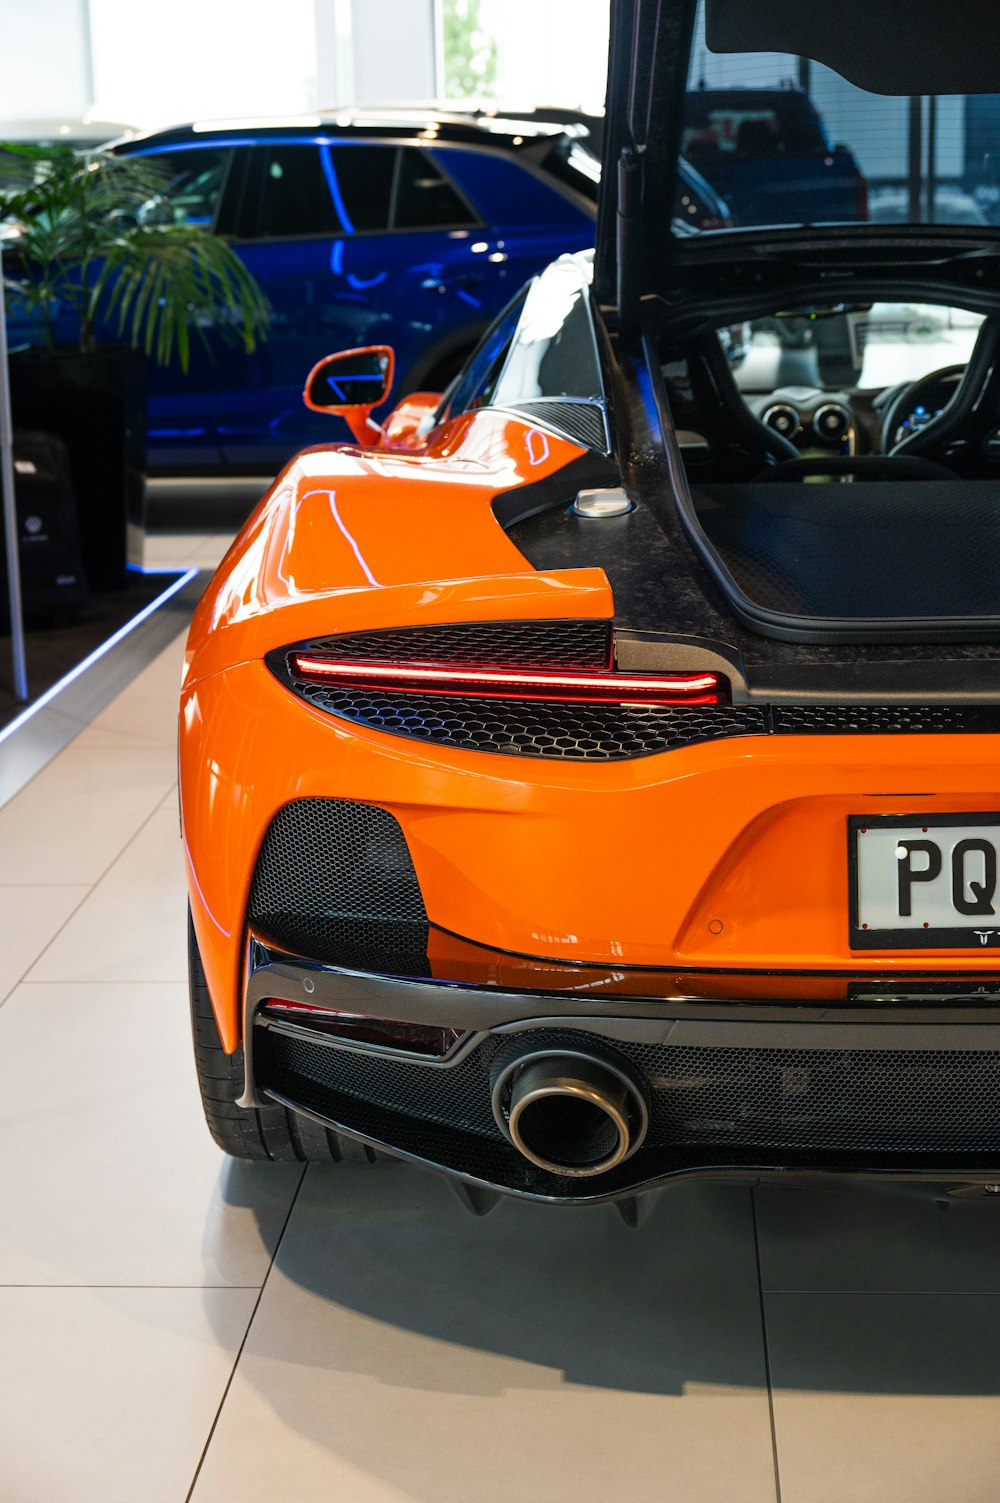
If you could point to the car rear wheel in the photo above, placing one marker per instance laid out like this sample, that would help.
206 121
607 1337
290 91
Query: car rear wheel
245 1132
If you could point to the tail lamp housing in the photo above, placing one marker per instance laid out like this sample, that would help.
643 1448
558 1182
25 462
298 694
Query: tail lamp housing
479 681
356 1028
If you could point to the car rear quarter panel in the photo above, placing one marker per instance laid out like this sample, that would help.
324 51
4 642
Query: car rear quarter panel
730 854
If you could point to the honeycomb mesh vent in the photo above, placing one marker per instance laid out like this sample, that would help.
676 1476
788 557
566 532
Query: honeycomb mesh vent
584 645
536 728
335 880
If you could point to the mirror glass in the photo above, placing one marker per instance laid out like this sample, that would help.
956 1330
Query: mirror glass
355 378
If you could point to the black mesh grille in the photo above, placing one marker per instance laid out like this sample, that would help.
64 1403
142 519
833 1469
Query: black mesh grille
536 728
584 422
334 880
883 1099
453 1095
585 645
924 720
872 1101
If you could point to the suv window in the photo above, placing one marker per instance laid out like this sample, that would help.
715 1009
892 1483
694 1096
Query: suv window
476 382
193 184
326 189
360 180
295 195
424 196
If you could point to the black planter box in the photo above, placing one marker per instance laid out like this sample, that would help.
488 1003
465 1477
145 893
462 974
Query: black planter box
96 404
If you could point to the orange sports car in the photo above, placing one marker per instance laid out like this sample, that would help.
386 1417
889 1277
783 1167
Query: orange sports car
589 776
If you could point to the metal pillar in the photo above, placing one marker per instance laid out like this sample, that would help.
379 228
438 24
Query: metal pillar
10 511
930 183
914 176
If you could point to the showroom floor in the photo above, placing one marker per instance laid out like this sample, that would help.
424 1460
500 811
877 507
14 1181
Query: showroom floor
176 1326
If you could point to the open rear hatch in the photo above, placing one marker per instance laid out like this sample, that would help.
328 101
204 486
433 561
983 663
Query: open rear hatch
889 94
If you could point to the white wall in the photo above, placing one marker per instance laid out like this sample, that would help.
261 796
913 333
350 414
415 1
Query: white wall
43 59
550 51
161 62
375 51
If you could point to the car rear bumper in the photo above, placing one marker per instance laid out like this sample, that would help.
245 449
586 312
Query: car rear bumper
746 1075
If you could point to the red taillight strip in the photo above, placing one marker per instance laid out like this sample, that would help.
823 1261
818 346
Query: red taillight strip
500 683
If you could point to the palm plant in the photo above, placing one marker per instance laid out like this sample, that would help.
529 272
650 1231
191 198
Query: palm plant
95 233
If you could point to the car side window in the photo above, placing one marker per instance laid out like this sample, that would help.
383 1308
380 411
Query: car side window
360 179
555 353
296 195
193 184
425 198
476 382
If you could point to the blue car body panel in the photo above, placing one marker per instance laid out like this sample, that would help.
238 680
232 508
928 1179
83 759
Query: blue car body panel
428 291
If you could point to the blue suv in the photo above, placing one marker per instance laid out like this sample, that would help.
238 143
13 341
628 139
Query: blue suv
361 228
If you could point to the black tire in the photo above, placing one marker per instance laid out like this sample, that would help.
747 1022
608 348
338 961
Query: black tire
269 1132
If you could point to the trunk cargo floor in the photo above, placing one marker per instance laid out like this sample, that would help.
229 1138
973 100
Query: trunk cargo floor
882 556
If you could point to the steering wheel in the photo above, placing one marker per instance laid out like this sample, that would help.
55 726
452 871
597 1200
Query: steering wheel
927 392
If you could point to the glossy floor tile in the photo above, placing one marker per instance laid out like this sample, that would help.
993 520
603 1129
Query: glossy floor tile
29 918
894 1240
107 1173
70 822
109 1394
147 714
891 1398
132 926
403 1349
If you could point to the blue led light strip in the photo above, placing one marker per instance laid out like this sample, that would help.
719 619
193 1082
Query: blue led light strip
98 652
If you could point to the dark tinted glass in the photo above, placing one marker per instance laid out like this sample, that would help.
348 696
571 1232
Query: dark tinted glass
361 179
424 196
787 140
192 186
476 383
751 124
554 354
297 194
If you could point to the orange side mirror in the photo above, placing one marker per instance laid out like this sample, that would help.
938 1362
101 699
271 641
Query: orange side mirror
351 384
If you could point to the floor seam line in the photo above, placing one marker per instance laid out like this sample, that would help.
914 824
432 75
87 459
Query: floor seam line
70 916
890 1293
767 1354
246 1334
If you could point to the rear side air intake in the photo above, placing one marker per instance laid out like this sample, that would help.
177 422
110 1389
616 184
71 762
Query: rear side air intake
334 880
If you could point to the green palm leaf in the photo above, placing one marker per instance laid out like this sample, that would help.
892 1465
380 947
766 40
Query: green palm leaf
95 231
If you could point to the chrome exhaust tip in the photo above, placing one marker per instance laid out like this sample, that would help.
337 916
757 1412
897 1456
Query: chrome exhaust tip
572 1114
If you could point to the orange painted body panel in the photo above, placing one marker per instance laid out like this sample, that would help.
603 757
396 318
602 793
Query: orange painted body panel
688 858
403 426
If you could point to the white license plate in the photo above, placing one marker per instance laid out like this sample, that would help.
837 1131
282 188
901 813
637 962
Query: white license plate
920 881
